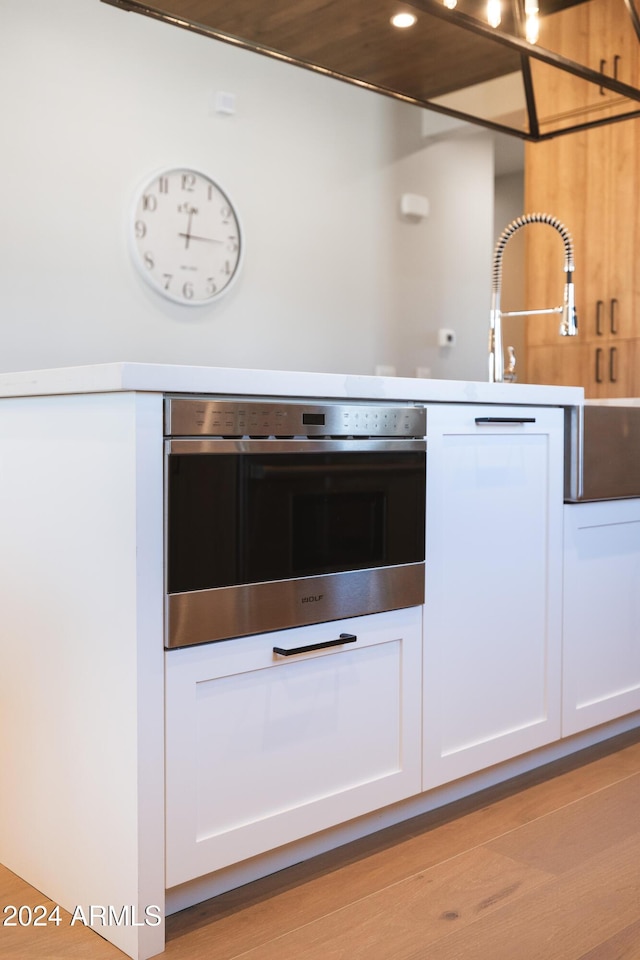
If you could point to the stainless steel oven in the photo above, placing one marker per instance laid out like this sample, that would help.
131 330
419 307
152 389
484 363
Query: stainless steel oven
287 513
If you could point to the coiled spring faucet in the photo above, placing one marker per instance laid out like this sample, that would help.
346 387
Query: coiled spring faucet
569 321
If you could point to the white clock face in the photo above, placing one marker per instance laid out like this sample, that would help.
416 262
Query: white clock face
186 237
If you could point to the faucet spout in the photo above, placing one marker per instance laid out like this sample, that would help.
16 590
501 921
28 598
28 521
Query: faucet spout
569 319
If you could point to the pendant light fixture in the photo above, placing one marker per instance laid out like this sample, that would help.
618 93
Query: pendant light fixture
494 16
532 21
494 13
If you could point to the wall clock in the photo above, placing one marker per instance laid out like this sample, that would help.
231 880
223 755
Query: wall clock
186 237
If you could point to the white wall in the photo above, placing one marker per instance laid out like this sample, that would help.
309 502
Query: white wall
94 100
444 263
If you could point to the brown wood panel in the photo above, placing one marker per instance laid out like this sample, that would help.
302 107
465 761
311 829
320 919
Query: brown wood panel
576 833
589 180
405 917
564 365
561 920
624 945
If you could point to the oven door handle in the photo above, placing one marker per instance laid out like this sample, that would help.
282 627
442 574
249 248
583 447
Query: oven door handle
343 638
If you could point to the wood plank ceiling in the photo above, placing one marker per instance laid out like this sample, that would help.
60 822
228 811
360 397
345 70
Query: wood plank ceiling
353 39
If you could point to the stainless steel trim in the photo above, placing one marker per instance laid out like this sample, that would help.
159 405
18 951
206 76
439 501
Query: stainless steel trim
573 453
227 612
197 417
208 446
605 452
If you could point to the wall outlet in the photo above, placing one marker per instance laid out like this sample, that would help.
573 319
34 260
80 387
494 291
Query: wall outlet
446 338
423 373
384 370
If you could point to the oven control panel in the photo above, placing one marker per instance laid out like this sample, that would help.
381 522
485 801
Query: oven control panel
206 417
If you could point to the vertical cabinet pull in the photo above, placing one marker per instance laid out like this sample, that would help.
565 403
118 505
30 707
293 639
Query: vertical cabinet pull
598 371
599 312
603 64
613 373
613 316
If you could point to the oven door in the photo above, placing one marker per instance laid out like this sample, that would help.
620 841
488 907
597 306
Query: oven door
266 534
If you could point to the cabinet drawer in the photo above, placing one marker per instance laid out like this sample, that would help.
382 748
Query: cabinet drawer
263 749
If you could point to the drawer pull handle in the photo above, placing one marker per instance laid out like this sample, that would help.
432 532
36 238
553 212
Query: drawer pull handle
599 309
481 420
343 638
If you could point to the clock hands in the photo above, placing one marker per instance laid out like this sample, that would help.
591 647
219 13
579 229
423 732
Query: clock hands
194 236
188 236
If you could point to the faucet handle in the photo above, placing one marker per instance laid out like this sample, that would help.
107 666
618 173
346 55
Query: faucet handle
510 373
569 321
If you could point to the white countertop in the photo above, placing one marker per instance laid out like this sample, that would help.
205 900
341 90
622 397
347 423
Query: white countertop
168 378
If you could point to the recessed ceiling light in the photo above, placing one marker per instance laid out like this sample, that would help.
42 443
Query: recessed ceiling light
403 20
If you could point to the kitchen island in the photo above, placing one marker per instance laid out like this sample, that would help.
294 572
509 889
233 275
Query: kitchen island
87 685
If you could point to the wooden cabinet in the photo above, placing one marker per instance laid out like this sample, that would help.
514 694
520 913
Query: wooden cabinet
613 47
492 627
601 644
565 33
598 35
263 749
589 181
610 302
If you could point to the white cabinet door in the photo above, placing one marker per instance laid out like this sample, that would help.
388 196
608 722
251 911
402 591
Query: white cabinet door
263 749
493 617
601 643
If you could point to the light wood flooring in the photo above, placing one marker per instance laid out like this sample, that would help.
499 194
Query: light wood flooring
545 867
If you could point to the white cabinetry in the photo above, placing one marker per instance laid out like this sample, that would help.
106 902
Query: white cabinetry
601 647
263 749
493 607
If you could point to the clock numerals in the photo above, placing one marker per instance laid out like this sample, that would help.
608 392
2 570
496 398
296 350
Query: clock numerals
212 287
232 244
187 290
149 262
149 202
166 278
140 229
188 182
163 184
